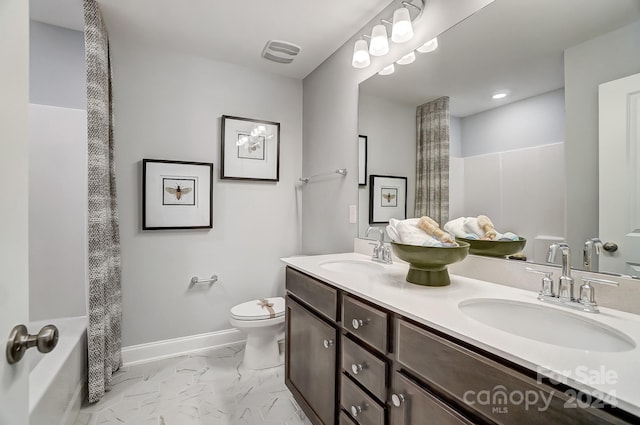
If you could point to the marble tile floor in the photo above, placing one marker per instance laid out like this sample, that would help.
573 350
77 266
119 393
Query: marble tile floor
207 388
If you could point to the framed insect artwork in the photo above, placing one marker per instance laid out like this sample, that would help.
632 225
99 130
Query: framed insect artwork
250 149
176 195
387 198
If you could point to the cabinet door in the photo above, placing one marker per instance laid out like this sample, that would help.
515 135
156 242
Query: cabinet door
412 405
310 364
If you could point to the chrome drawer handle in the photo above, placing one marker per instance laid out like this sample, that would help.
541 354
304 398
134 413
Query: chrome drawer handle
356 368
357 323
327 343
355 411
397 399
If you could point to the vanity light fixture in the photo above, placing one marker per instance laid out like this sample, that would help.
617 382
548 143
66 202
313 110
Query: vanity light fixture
387 70
407 59
401 32
429 46
379 44
361 57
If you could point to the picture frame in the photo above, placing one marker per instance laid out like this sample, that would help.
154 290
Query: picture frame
362 160
176 195
250 149
387 198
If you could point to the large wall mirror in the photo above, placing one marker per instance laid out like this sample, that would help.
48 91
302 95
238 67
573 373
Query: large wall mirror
528 160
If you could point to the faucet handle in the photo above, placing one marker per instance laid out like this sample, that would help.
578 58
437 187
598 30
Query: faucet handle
587 292
547 282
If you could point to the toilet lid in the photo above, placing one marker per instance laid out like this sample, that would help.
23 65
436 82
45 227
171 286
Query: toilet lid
258 309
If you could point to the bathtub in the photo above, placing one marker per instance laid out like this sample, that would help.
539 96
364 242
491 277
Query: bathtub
57 379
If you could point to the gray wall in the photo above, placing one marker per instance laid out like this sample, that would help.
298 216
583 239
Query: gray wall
331 127
535 121
587 65
56 66
168 106
391 131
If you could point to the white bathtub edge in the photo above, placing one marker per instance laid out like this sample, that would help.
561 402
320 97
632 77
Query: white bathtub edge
158 350
73 409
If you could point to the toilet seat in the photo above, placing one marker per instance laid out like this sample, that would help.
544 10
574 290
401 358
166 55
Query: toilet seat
254 310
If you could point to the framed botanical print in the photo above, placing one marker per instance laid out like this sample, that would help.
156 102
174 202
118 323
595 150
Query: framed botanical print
176 194
387 198
250 149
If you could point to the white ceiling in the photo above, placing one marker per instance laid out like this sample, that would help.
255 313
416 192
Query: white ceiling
510 44
229 31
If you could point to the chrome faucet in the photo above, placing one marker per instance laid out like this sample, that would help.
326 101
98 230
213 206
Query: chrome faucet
589 247
585 301
565 284
381 252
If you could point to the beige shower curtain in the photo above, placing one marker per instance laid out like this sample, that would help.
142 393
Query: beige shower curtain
432 160
105 303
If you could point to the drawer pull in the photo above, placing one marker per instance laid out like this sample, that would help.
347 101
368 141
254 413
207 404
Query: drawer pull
356 368
327 343
355 411
397 399
357 323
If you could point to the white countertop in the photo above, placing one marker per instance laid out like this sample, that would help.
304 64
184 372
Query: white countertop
615 375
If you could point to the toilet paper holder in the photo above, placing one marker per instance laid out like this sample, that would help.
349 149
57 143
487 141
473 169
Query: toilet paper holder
197 281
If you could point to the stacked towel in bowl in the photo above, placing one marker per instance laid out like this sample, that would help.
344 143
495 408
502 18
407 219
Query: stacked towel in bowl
480 227
415 231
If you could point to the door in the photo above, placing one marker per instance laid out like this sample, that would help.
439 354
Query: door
311 362
14 279
619 156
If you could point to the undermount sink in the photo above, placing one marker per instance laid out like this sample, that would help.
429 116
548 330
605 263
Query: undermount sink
353 266
544 324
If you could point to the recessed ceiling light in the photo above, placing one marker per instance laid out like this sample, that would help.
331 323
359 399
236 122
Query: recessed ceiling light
500 95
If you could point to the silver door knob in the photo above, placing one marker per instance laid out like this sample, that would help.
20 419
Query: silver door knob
327 343
397 399
20 341
355 411
356 368
357 323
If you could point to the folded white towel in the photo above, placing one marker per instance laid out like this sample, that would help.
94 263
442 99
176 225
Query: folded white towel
393 233
471 226
456 227
410 233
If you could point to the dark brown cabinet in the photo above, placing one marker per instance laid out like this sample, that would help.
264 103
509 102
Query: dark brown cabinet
413 405
310 363
349 361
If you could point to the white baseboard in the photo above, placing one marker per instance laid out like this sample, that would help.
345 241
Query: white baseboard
158 350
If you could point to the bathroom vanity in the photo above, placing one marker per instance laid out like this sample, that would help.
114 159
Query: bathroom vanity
365 347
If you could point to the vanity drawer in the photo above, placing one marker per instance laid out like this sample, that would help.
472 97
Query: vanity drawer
363 408
465 376
411 405
364 367
366 322
345 420
316 294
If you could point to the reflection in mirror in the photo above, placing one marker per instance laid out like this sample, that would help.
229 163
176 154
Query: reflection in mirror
528 160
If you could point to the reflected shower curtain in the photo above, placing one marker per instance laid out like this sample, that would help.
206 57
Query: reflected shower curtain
432 160
105 306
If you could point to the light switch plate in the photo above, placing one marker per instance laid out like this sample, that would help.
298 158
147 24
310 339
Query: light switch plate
353 214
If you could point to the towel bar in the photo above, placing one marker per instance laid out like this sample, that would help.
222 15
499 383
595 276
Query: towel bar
197 281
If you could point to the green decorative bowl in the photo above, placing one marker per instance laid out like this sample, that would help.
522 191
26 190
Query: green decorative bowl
428 265
494 248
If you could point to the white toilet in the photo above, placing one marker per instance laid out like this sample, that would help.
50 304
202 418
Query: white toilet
263 321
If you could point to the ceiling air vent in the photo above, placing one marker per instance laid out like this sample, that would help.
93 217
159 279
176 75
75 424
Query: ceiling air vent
280 51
